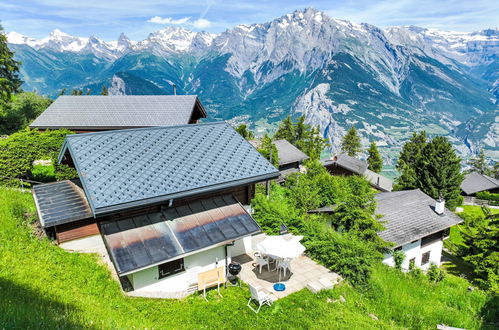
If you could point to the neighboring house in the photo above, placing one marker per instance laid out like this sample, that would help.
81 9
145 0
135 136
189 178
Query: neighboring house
90 113
169 203
417 224
345 165
475 182
290 157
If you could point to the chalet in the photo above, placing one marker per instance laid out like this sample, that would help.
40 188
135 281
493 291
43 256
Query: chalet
475 182
168 203
290 157
90 113
416 224
345 165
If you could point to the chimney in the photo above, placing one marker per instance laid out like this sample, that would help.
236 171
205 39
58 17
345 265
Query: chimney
440 206
174 89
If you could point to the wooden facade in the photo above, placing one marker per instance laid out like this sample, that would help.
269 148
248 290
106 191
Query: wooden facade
76 230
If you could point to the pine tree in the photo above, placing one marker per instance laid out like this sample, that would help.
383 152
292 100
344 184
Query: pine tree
313 144
104 90
374 158
495 171
479 164
300 130
438 171
268 148
10 83
245 132
409 156
286 130
350 144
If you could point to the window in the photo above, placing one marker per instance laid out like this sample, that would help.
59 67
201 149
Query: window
425 258
170 268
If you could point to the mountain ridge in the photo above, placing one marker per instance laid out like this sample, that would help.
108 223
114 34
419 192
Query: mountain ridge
335 72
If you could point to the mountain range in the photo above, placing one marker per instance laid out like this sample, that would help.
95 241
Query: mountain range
386 82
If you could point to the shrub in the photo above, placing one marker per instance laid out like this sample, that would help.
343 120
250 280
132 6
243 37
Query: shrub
43 173
486 195
19 150
398 258
343 253
412 264
435 274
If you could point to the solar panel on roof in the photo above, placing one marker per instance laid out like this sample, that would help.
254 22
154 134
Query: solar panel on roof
136 243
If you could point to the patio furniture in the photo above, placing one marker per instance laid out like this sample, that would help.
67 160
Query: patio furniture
262 261
284 265
279 247
260 297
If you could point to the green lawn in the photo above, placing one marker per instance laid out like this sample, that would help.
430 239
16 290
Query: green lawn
42 286
477 210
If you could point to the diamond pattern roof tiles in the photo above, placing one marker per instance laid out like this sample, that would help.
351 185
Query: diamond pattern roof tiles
93 112
122 169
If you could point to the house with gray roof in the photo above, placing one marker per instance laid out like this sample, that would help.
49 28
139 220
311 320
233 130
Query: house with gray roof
290 157
90 113
167 203
343 164
416 224
475 182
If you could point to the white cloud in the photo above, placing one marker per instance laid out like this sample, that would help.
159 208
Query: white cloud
201 23
168 20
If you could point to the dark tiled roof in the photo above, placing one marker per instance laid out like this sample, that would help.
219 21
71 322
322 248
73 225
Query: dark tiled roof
325 209
359 167
409 215
144 241
288 153
379 181
475 182
131 168
92 112
61 202
351 164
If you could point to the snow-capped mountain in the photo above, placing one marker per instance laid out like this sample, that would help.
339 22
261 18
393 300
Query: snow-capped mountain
387 83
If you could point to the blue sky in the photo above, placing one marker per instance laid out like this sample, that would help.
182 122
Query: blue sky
136 18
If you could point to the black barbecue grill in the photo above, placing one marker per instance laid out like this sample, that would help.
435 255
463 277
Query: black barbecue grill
234 270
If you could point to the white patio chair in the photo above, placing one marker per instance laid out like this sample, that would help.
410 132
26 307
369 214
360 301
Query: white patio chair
285 265
261 261
260 297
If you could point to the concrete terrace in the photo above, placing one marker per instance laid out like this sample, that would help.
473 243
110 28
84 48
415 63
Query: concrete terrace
305 273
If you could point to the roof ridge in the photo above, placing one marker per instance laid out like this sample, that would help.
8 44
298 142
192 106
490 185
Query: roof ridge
146 128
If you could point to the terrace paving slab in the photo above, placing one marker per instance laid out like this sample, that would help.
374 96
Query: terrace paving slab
303 271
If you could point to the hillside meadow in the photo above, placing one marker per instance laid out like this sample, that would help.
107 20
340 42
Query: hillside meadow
43 286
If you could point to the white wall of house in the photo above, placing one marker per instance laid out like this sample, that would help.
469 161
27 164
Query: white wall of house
414 250
147 280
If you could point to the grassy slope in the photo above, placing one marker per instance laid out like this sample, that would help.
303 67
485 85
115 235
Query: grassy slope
42 286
